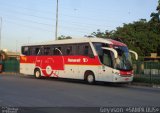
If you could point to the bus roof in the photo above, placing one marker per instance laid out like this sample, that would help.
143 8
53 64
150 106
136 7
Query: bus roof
79 40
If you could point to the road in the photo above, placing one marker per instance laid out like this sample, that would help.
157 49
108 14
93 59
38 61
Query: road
26 91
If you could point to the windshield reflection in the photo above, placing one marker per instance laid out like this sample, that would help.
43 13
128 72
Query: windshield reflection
123 62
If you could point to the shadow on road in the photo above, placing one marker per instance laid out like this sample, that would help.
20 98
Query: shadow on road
75 81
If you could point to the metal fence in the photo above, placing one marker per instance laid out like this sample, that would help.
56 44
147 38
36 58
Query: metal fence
11 65
143 71
147 71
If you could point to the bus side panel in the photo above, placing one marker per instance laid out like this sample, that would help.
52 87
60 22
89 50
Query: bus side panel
27 68
27 65
84 68
78 71
105 73
70 71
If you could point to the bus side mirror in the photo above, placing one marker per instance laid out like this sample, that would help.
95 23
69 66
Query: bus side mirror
133 52
112 50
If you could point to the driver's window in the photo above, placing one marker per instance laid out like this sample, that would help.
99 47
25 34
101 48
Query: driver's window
107 58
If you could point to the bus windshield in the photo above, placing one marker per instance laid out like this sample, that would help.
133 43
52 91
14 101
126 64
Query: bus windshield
123 62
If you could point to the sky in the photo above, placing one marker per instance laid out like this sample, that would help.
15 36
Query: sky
33 21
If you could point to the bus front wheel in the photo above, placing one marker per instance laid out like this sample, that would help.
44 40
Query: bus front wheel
89 77
37 73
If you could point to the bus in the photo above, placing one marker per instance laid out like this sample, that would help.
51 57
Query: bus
89 59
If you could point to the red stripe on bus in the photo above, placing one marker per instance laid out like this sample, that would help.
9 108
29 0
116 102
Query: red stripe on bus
57 60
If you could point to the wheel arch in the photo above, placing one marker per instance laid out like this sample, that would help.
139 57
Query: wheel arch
37 68
87 72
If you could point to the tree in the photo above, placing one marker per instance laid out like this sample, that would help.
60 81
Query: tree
3 55
140 36
156 16
100 34
62 37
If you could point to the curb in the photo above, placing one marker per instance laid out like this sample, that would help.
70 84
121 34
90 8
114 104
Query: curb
145 84
9 73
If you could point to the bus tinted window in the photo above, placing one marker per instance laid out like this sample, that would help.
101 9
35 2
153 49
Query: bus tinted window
104 55
46 51
78 50
25 50
69 50
98 47
31 50
37 51
83 49
86 50
57 51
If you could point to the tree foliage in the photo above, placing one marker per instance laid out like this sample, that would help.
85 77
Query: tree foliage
3 55
62 37
141 36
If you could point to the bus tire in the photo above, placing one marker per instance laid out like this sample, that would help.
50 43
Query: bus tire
89 77
37 73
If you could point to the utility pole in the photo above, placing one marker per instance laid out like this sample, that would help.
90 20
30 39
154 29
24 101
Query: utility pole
56 32
0 31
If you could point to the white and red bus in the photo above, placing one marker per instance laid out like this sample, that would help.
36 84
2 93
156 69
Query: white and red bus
90 59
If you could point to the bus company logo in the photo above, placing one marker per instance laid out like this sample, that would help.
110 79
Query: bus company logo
24 58
48 70
74 60
85 60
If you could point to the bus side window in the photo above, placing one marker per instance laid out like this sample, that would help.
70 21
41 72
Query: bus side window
98 47
107 60
69 50
46 51
78 50
37 51
86 50
57 51
25 50
31 50
74 49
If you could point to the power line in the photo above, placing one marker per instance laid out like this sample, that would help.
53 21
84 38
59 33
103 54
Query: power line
42 29
27 26
62 20
31 15
79 25
25 8
71 16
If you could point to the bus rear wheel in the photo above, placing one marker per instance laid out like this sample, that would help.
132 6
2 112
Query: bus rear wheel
90 79
37 73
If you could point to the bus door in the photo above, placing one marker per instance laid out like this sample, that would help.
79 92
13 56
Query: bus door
105 70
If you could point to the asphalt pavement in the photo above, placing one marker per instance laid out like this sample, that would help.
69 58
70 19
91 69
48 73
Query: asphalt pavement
26 91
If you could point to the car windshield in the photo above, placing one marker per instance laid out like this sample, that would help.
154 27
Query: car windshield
123 62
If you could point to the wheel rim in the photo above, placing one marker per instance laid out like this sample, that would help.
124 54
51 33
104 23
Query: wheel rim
90 78
37 74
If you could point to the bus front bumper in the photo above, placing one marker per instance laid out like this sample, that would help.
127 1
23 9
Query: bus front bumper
122 79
